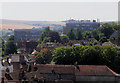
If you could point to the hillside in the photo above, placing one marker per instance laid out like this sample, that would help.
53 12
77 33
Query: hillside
21 24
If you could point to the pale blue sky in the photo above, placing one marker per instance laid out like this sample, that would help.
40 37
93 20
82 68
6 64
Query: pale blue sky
59 11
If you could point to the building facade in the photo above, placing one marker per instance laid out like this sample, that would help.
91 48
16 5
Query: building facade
27 34
80 24
26 46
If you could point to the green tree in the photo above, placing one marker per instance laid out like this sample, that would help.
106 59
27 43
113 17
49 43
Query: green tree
2 46
44 57
38 48
11 38
71 34
64 39
46 39
44 34
89 55
48 35
107 29
86 34
10 46
95 34
63 55
102 38
78 35
54 36
92 55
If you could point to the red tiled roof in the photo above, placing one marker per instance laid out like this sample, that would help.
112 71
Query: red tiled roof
96 70
61 69
85 70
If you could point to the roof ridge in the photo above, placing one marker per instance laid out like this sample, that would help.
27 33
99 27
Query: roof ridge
114 73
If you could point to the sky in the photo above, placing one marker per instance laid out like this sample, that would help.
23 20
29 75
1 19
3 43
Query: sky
60 11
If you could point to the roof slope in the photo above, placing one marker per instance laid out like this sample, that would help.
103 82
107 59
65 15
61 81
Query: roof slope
94 70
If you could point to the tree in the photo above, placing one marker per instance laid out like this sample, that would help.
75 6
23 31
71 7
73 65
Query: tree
78 35
95 34
38 48
102 38
115 26
88 55
2 46
71 34
11 38
107 29
46 39
48 35
109 52
62 55
92 55
86 34
54 36
64 39
44 34
10 46
44 57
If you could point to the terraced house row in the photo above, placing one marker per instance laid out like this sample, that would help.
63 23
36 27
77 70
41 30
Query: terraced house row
19 69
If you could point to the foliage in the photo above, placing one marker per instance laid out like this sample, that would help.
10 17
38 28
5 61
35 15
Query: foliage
78 34
44 57
102 38
116 26
38 48
2 46
64 39
107 29
95 34
86 34
71 34
54 36
63 55
44 34
88 55
48 35
10 46
11 38
46 39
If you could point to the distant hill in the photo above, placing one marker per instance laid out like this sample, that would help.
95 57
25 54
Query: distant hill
22 24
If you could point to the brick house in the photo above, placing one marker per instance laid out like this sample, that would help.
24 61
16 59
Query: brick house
95 74
26 46
46 73
27 71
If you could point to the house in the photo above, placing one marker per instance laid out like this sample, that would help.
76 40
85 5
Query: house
96 74
115 37
82 42
107 43
26 46
50 45
47 73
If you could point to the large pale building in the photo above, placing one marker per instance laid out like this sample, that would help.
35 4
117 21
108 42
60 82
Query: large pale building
27 34
81 24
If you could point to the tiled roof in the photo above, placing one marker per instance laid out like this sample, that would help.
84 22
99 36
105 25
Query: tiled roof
61 69
96 70
15 75
84 70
